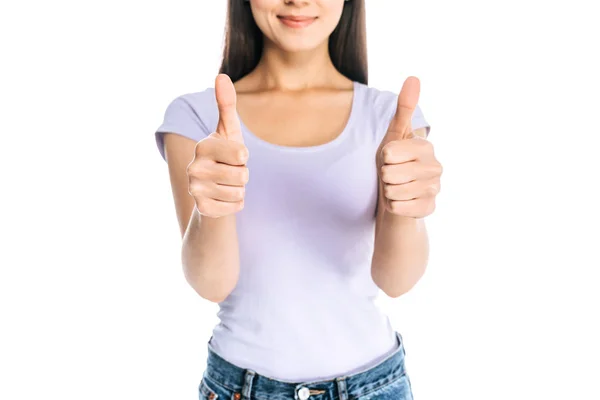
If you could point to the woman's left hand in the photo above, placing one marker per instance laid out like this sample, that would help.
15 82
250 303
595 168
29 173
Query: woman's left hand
409 172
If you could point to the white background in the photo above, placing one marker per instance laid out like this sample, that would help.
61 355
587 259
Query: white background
93 300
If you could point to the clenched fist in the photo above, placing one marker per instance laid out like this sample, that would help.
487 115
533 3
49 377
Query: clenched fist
218 174
408 170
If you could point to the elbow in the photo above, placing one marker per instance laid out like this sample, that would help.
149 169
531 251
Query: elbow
396 291
212 286
393 285
213 297
212 292
213 282
393 288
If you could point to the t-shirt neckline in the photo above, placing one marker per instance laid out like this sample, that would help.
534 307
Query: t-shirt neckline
303 149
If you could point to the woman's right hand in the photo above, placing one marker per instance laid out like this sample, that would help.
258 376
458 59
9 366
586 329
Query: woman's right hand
218 173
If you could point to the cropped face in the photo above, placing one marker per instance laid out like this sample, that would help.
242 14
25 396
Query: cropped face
297 25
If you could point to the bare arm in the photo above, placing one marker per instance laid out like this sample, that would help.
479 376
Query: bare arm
209 251
208 180
401 248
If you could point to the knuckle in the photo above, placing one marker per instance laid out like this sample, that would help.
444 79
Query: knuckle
196 169
198 148
192 168
237 176
195 172
391 205
432 207
203 205
238 152
202 147
395 207
388 191
242 155
429 208
385 174
245 174
387 153
432 189
194 190
239 194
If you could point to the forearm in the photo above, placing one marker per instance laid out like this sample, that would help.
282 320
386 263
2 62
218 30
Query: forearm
401 253
210 255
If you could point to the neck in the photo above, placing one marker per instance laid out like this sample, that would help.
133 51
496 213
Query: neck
291 71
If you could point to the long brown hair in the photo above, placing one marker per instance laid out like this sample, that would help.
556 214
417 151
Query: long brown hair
244 42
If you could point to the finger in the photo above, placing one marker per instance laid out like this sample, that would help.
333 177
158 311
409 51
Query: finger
232 155
215 208
416 208
229 194
411 190
397 174
400 126
401 151
229 175
223 151
229 124
209 190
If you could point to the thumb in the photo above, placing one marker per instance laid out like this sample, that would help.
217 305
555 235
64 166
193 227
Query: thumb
229 123
400 126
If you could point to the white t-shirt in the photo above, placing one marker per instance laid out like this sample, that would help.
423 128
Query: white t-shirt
303 308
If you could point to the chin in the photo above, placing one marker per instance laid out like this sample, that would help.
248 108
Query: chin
295 45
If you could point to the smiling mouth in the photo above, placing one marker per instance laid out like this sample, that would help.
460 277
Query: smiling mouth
296 21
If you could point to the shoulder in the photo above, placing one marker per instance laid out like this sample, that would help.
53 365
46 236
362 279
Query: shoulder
198 102
197 107
193 115
376 108
381 105
378 96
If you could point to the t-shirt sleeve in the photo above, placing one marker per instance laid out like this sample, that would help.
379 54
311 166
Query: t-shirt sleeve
386 103
418 120
180 118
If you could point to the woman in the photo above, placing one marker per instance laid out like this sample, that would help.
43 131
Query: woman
300 192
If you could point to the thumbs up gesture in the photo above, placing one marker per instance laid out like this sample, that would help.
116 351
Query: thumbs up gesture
409 173
218 173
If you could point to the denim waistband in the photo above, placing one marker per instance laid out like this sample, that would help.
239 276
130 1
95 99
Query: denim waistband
249 383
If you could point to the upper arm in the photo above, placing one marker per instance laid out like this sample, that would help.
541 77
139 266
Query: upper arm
179 151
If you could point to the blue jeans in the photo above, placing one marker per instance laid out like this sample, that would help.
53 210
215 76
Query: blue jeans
385 381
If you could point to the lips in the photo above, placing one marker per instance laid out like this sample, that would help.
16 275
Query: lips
296 21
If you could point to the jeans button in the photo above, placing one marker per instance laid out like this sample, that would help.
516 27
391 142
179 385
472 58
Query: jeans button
304 393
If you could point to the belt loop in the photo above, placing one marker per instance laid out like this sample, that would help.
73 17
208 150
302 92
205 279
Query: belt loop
247 387
401 340
342 389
